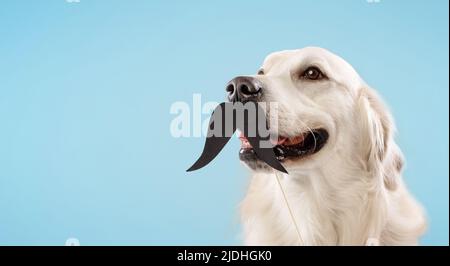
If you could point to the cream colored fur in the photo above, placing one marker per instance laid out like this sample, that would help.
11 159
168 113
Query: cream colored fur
352 189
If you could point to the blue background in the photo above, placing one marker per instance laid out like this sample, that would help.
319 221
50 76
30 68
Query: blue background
86 88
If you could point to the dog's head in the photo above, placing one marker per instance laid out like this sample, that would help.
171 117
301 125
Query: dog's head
321 108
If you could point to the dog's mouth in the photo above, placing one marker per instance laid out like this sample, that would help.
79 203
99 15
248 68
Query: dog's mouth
286 148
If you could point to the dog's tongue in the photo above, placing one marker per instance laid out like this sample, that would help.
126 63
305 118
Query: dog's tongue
281 140
226 118
294 140
246 144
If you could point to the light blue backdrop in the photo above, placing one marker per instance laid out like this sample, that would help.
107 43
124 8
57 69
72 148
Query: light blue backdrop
85 92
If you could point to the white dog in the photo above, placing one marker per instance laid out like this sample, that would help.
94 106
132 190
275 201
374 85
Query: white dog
344 185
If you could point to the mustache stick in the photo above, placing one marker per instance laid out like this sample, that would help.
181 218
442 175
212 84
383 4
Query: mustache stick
222 125
249 119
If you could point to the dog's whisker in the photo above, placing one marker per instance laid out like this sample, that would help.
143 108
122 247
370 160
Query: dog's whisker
311 132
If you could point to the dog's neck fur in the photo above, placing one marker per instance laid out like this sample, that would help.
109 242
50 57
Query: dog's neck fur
323 215
329 208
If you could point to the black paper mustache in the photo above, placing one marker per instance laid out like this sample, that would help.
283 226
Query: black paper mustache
249 119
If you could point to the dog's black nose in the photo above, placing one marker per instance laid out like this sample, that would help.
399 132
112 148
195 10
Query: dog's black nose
243 89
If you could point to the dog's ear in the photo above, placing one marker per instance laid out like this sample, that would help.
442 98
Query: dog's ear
392 167
381 154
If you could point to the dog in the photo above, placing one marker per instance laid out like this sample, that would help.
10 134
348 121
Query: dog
336 140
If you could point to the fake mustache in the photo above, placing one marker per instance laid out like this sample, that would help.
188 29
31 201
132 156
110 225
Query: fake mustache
250 119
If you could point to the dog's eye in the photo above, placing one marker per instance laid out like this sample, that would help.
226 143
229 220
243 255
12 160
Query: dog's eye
312 73
261 72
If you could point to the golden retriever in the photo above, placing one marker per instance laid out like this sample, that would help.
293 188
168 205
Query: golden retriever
336 140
